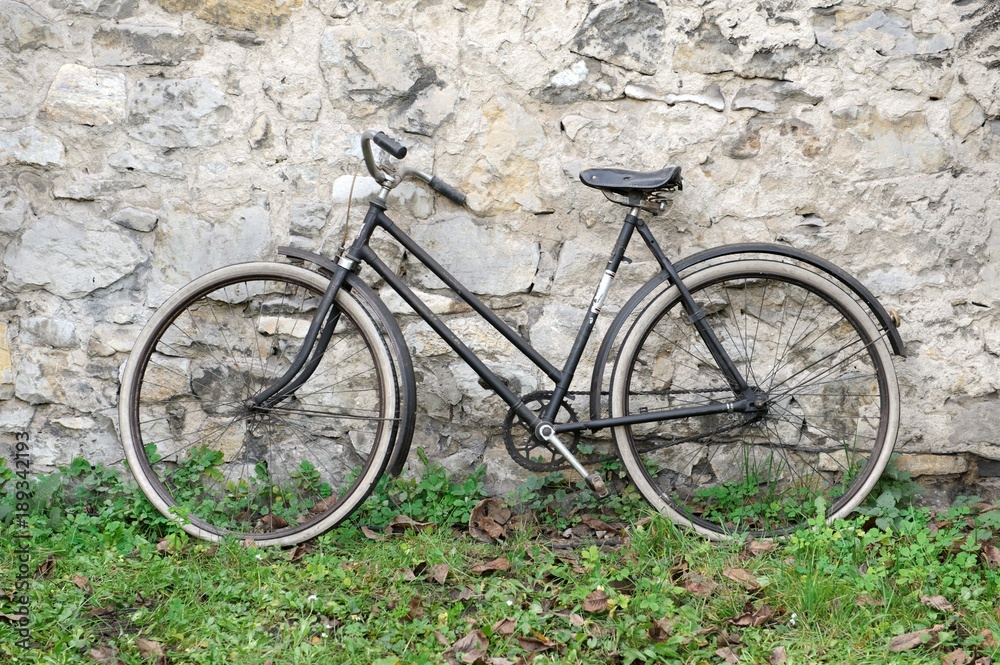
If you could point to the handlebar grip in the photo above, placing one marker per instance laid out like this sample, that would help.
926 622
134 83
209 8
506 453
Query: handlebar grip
449 192
389 145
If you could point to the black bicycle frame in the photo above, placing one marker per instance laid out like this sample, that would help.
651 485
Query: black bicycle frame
360 251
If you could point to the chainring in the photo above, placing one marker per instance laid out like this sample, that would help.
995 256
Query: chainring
522 445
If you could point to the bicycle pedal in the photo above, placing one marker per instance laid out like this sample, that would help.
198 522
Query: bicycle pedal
596 483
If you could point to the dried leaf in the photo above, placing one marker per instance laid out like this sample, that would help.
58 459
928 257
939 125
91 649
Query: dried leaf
914 639
937 602
778 656
661 629
535 644
698 584
324 505
956 657
105 655
505 627
576 620
488 519
13 618
272 523
370 534
991 555
469 649
988 641
401 523
500 661
744 577
726 654
82 583
465 593
753 618
439 573
107 610
596 602
45 567
148 648
299 551
760 547
500 564
416 610
597 524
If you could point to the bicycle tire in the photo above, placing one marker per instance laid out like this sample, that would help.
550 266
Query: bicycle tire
276 476
823 367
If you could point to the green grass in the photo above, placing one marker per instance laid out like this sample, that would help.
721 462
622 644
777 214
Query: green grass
111 583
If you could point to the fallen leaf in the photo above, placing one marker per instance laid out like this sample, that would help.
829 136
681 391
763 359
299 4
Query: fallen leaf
105 655
698 584
727 654
661 629
402 523
597 525
500 661
468 649
13 618
778 656
576 620
272 522
988 641
45 567
500 564
105 611
148 648
370 534
754 618
760 547
744 577
505 626
991 555
163 546
937 602
82 583
324 505
297 552
488 519
596 602
465 593
535 644
439 573
956 657
416 610
914 639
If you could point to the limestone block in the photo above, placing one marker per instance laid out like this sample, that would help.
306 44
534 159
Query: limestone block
624 33
15 416
371 67
68 259
966 116
888 33
21 28
126 45
708 53
138 220
30 145
48 331
188 247
307 218
140 159
433 106
13 207
112 9
489 261
86 96
6 366
300 100
237 14
182 113
931 465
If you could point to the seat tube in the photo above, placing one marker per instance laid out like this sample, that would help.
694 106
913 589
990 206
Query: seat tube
596 304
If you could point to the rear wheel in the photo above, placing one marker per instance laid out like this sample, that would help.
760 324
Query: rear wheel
277 475
820 365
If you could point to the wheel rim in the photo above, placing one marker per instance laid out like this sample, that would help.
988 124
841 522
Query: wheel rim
824 427
281 474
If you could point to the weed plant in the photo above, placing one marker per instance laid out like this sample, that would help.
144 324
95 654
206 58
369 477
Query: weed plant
113 582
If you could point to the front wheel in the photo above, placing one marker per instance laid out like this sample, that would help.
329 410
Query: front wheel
816 360
205 456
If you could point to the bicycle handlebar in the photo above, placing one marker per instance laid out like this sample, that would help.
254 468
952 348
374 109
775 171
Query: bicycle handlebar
390 179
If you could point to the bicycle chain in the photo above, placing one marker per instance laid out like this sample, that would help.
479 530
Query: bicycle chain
558 462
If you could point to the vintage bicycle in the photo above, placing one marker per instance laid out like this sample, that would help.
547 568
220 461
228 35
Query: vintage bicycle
265 400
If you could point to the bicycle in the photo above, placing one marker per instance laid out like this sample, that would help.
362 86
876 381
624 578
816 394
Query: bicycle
266 400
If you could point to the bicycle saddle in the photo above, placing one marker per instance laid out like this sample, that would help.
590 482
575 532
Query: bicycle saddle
621 181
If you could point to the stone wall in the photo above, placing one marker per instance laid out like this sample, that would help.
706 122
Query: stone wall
143 143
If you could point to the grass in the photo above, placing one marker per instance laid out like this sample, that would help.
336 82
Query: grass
110 583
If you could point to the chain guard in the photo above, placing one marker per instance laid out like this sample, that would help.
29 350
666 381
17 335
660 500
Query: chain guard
525 449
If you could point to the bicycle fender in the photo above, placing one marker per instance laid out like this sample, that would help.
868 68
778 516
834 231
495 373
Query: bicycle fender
401 352
847 280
